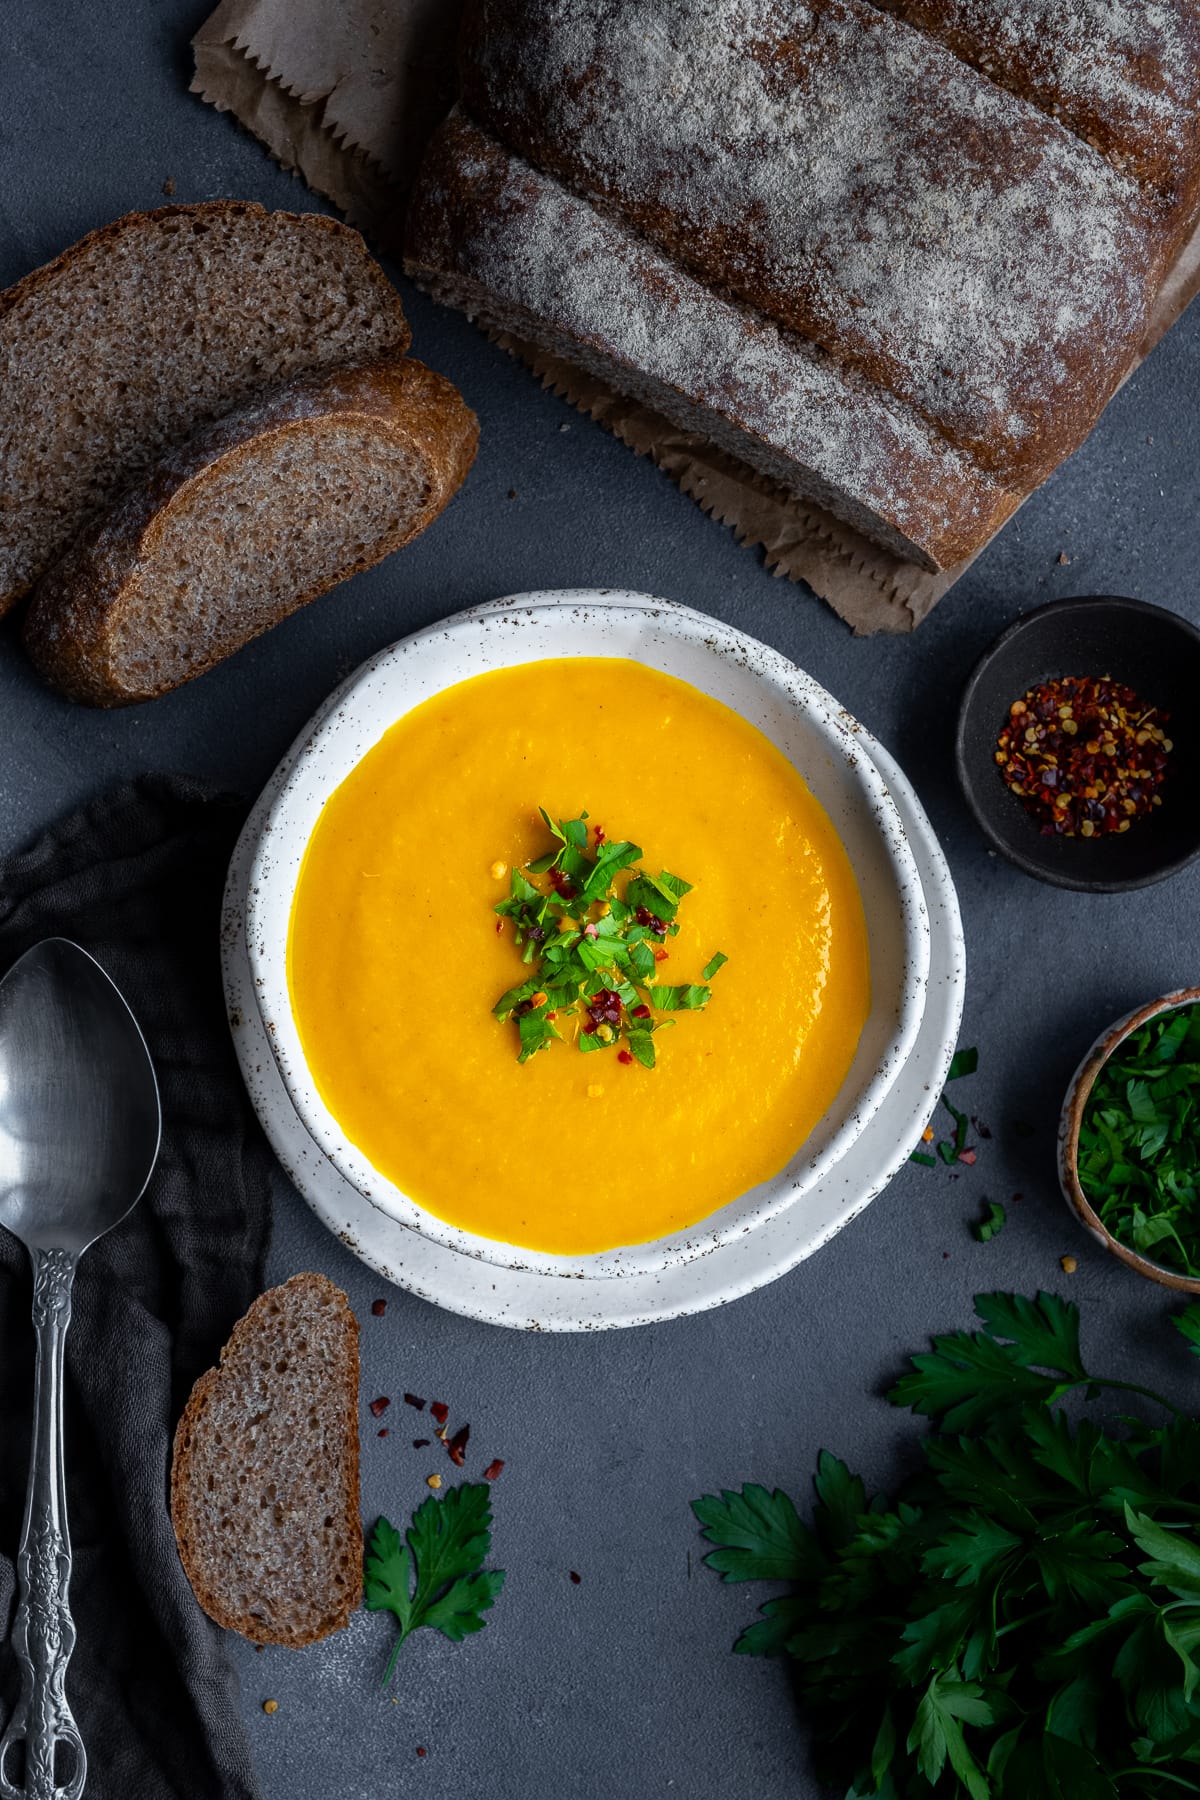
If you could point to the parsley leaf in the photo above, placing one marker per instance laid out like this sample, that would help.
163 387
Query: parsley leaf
447 1542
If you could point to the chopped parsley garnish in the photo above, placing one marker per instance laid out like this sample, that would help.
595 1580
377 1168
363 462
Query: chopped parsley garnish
1139 1140
594 949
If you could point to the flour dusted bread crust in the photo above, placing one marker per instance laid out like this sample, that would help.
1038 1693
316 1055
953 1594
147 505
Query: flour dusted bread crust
247 522
264 1479
944 249
518 250
151 327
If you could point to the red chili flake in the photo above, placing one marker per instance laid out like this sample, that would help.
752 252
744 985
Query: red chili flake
492 1470
440 1411
414 1400
562 885
945 1256
1084 755
662 955
966 1156
624 1056
600 833
650 921
380 1406
382 1433
421 1751
603 1008
456 1447
576 1578
640 1012
983 1130
499 926
420 1443
379 1307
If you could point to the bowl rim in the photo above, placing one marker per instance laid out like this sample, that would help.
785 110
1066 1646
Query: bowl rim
837 729
1027 863
1078 1093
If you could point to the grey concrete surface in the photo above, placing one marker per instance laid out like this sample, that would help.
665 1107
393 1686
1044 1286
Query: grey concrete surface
622 1685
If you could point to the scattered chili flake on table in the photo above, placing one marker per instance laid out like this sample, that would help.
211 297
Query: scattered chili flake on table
492 1470
576 1578
1085 756
382 1433
457 1446
414 1400
420 1443
379 1307
440 1411
380 1406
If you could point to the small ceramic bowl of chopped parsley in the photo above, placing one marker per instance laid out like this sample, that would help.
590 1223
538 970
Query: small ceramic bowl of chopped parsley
1129 1140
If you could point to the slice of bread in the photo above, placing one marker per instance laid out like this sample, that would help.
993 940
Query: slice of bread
245 523
264 1482
152 326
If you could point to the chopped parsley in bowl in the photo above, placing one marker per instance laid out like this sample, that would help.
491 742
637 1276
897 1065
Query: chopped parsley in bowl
1130 1140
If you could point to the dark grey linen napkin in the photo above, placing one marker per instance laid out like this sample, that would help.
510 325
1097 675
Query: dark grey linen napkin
136 878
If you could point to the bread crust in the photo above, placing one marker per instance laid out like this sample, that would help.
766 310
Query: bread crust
77 608
853 181
189 1441
24 297
512 246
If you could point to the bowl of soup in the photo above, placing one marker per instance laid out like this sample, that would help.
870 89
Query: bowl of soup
776 984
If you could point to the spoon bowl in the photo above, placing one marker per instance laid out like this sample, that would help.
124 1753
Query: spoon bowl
79 1134
79 1120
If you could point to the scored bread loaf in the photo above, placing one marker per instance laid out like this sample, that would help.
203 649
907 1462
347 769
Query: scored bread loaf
852 180
945 264
1123 75
264 1478
245 523
520 252
158 323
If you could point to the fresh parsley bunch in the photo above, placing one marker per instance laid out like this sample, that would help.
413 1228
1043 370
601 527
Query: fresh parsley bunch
1023 1621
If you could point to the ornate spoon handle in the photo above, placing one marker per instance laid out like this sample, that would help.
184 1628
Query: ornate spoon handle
43 1630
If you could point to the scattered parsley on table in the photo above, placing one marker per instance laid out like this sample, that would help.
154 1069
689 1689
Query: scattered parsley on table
1022 1621
436 1578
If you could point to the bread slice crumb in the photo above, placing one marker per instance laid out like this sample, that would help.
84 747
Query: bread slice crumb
264 1480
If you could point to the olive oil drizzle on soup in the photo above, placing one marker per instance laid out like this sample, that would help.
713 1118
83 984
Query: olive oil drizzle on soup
395 962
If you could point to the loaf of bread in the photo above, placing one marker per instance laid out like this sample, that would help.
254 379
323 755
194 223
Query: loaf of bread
264 1479
246 522
151 327
764 217
518 250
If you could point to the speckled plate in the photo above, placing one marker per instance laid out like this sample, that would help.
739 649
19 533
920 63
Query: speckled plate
531 1299
817 736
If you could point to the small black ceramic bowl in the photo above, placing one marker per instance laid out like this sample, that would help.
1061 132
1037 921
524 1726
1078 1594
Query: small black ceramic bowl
1156 653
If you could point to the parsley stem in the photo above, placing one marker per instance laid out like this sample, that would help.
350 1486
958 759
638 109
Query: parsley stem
1154 1774
1131 1387
391 1668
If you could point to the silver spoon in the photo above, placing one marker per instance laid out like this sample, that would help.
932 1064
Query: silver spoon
79 1132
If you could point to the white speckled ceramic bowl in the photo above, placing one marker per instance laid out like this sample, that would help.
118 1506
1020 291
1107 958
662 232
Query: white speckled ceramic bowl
791 710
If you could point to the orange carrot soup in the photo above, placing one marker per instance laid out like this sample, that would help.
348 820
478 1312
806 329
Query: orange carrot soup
682 974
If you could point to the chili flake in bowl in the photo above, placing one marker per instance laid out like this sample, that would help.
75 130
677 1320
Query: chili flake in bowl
1084 754
1129 1140
1081 803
